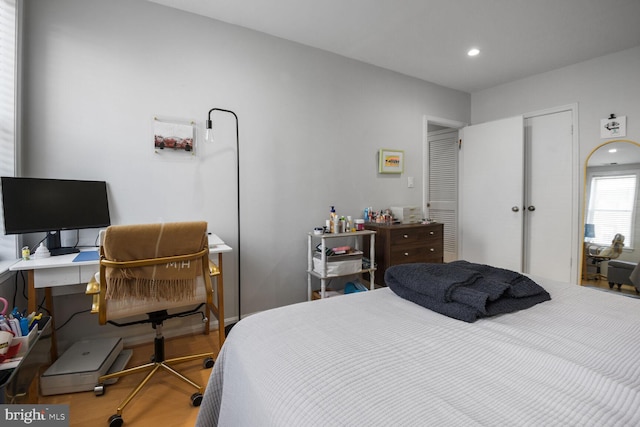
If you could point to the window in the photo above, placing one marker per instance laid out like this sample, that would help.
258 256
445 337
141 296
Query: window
612 200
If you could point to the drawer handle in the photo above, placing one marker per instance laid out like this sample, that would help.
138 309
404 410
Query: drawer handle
406 254
406 236
432 250
432 233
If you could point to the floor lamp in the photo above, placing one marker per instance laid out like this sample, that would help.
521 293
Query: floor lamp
209 137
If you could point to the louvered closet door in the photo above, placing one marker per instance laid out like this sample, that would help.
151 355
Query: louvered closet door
442 187
491 193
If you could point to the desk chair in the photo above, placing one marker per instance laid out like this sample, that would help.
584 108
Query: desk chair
150 269
596 254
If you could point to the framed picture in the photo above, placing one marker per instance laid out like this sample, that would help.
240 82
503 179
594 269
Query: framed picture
174 136
391 161
613 127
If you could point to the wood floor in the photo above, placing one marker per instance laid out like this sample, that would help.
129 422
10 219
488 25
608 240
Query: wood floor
602 283
164 401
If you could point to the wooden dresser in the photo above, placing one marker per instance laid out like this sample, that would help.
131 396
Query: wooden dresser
405 243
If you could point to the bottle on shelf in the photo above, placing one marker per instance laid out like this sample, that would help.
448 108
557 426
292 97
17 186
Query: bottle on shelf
333 226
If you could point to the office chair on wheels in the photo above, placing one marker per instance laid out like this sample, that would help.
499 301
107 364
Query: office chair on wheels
596 254
151 269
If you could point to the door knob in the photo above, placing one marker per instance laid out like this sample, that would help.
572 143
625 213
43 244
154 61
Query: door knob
515 209
531 208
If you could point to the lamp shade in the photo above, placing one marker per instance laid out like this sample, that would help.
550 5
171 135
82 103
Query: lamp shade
589 231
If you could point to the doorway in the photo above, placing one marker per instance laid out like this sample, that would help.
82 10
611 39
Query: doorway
440 179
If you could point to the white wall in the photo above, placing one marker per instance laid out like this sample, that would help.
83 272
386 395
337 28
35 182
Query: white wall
605 85
311 123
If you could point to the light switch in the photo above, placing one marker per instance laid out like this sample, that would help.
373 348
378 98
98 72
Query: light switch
410 182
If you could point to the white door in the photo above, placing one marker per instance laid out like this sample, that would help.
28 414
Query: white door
491 193
548 195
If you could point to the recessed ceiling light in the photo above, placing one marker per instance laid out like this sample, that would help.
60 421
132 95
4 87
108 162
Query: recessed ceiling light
613 150
473 52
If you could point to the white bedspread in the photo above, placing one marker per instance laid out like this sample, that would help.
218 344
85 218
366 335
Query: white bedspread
374 359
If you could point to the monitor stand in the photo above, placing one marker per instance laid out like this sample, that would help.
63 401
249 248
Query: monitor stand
63 251
55 245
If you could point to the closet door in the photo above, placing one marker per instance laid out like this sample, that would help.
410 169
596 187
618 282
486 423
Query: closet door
549 195
442 186
491 193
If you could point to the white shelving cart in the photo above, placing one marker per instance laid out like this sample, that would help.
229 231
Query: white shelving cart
322 272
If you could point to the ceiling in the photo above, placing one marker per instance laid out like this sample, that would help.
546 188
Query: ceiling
429 39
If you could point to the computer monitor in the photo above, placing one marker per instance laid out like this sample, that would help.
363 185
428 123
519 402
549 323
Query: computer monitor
34 205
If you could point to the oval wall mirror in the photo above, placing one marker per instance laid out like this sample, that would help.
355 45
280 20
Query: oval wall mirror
611 224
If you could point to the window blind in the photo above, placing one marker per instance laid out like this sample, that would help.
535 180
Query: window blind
8 83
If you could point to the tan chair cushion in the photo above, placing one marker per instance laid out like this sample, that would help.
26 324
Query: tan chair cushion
172 281
119 309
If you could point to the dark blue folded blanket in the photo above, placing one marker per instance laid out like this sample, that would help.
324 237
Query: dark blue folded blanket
438 281
447 289
519 285
455 310
447 283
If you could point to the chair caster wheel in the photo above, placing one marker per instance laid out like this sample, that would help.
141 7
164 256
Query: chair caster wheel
115 421
610 285
196 399
98 389
208 363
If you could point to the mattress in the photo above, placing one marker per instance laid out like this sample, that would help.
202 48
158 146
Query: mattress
375 359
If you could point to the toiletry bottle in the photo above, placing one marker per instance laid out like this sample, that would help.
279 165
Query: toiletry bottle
332 220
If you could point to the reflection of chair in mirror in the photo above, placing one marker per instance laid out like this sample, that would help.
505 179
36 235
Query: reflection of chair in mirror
596 254
150 269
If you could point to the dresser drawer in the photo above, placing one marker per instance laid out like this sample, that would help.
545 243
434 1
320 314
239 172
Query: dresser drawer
414 236
431 252
434 236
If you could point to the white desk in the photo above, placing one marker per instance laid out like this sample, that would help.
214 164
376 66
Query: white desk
48 273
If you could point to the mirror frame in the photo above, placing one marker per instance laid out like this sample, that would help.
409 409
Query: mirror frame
584 199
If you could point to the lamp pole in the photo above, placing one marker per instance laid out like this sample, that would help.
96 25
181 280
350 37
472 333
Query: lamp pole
209 137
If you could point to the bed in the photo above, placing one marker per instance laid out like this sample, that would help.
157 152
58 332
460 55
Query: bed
376 359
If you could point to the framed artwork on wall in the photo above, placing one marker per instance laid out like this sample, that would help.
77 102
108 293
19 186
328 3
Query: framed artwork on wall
613 127
391 161
174 136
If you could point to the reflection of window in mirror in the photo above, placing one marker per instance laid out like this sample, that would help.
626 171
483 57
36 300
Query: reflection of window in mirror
611 204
